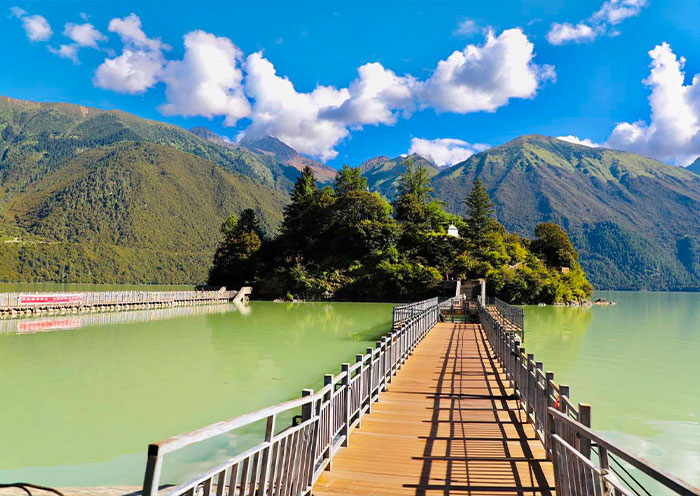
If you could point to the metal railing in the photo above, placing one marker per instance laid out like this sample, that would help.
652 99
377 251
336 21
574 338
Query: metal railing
290 458
508 315
407 310
564 427
99 298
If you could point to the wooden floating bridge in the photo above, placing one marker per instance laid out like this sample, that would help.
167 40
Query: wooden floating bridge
23 304
435 408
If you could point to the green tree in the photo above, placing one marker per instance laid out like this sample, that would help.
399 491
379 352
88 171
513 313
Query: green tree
303 193
413 193
479 224
349 179
242 240
553 243
249 222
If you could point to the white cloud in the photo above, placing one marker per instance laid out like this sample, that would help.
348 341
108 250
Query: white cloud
673 133
445 151
610 14
293 117
84 34
479 78
566 32
466 27
615 11
130 32
215 79
69 51
139 67
36 26
375 96
485 77
578 141
207 81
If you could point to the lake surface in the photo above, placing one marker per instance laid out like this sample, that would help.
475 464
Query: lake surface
637 364
83 395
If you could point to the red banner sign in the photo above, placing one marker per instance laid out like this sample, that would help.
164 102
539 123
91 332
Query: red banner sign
48 325
58 299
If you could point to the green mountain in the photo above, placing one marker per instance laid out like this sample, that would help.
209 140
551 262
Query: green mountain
695 166
382 172
633 219
104 196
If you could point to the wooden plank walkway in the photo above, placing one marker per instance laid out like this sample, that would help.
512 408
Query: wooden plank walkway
446 425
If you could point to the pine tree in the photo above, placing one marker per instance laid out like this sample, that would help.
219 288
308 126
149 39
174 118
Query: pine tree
303 193
413 193
350 179
479 210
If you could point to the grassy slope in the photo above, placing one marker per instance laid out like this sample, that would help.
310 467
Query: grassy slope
108 197
634 219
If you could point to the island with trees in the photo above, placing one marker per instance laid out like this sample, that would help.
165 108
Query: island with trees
346 243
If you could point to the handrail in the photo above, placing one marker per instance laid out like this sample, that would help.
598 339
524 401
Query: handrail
289 460
562 426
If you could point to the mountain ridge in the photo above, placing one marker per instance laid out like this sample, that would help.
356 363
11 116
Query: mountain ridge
632 218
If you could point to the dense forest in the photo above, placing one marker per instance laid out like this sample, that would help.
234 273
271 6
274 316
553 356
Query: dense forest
346 243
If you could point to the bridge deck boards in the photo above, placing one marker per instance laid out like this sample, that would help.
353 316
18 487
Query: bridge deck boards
446 425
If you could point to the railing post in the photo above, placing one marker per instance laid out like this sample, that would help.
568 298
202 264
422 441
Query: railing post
530 384
154 464
370 377
267 455
306 410
584 416
359 358
328 380
548 390
346 384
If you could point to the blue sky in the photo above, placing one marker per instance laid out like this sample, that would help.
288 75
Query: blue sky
512 68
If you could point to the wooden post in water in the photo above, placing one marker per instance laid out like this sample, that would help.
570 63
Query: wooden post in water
346 385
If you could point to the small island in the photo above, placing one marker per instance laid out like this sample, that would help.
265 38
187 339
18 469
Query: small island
347 243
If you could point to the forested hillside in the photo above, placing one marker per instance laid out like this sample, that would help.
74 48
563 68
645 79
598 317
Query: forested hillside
99 196
633 219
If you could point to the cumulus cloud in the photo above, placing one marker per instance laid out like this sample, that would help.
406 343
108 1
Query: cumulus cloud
673 132
578 141
466 27
293 117
215 79
69 51
84 35
610 14
374 97
485 77
207 81
141 63
567 32
36 26
445 151
615 11
479 78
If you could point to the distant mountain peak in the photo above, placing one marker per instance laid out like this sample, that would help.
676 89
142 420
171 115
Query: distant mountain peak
282 152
